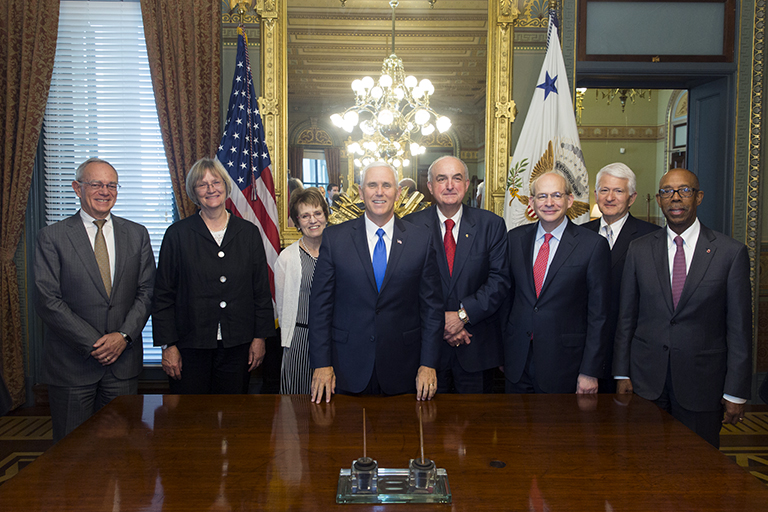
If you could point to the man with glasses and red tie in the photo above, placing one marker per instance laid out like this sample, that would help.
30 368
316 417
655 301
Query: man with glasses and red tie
94 274
471 247
556 335
684 337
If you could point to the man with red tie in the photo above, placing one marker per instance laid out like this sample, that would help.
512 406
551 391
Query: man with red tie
556 336
471 247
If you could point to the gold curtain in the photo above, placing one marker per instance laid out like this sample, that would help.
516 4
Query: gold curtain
28 37
184 50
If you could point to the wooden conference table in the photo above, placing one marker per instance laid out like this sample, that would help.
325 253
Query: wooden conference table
502 452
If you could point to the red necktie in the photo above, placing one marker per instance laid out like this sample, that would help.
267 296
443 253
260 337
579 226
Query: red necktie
678 272
540 266
450 244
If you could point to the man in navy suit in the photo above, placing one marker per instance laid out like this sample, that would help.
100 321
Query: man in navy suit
376 308
556 337
472 257
684 338
615 192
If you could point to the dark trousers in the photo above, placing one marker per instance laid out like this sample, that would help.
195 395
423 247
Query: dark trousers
706 424
72 405
527 382
452 378
218 371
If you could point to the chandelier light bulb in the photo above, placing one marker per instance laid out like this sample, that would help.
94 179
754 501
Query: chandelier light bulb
385 80
400 152
406 162
421 117
399 94
396 162
348 127
410 81
427 86
337 120
376 92
386 117
358 163
367 82
351 118
427 129
397 145
417 92
443 123
414 148
366 127
354 147
357 84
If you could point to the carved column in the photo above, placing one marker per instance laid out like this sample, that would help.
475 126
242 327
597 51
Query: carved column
500 108
273 18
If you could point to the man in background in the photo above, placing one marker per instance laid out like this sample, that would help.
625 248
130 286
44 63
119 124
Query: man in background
94 275
615 192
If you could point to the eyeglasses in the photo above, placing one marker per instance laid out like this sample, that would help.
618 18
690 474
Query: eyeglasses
97 185
205 186
319 215
556 196
683 192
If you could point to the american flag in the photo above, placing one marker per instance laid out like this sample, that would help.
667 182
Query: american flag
243 152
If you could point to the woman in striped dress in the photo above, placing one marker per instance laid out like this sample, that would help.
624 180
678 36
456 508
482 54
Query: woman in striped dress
293 282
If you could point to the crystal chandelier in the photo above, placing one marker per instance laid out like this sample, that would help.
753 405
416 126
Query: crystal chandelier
388 112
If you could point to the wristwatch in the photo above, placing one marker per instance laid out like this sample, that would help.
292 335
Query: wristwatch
463 315
128 340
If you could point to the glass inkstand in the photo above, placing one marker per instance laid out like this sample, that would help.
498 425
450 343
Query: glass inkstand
364 476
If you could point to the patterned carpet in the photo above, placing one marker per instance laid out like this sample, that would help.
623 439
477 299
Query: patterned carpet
26 434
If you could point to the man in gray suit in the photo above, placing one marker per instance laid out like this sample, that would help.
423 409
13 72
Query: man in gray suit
94 275
684 337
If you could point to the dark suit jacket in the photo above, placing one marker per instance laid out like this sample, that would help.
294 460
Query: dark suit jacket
480 281
73 303
352 325
633 228
706 341
196 276
568 321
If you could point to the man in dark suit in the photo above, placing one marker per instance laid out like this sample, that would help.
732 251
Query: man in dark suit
556 337
684 337
472 257
94 274
615 192
376 308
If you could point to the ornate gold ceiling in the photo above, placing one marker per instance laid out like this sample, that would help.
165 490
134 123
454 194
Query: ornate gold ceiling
330 45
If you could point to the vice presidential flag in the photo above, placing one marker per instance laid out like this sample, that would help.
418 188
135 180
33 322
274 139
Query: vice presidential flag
548 141
243 152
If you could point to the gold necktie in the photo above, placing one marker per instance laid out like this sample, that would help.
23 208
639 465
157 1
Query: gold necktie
102 256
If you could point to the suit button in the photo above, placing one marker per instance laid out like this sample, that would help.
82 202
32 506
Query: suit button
223 304
373 338
221 254
665 348
223 279
673 322
536 310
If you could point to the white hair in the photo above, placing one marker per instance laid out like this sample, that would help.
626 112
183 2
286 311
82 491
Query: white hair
379 163
621 171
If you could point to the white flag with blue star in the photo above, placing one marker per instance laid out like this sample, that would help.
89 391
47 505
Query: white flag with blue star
548 141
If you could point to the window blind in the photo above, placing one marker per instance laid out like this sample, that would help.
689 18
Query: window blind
101 103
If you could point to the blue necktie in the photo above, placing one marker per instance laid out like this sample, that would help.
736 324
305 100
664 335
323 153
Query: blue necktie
379 259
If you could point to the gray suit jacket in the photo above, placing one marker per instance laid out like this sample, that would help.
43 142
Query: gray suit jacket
73 303
706 341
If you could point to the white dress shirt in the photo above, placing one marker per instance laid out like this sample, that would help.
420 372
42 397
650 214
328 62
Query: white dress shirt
370 232
109 238
456 219
554 242
615 227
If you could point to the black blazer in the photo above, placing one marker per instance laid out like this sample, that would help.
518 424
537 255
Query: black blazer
706 342
633 228
568 320
480 281
353 326
200 284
